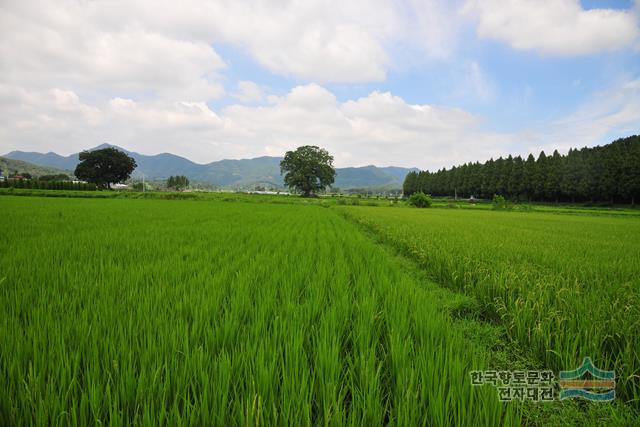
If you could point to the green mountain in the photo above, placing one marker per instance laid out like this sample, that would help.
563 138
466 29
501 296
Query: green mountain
241 173
10 166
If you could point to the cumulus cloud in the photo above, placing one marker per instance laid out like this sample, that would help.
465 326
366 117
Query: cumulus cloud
380 128
142 73
430 27
556 27
63 44
249 92
314 40
164 48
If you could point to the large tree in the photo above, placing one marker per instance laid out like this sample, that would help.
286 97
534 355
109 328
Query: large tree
410 183
104 167
308 169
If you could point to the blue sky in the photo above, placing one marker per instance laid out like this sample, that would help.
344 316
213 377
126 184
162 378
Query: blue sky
525 86
414 83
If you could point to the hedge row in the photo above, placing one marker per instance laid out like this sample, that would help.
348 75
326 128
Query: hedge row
46 185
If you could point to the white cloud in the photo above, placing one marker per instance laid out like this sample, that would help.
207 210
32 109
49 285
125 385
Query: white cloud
610 113
556 27
430 26
472 83
63 44
74 74
380 128
164 48
315 40
249 92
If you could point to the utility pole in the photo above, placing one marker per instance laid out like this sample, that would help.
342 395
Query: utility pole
143 184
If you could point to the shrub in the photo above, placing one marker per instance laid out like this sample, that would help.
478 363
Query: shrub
499 203
420 200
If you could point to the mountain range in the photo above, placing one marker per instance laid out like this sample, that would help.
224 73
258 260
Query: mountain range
242 173
11 166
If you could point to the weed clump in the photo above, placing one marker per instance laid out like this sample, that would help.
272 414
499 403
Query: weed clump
420 200
499 203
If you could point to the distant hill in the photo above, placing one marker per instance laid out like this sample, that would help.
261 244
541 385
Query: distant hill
10 166
225 173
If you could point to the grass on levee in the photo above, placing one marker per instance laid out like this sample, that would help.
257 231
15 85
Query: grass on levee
327 200
564 287
148 312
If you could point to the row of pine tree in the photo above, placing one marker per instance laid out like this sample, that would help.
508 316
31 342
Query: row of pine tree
609 173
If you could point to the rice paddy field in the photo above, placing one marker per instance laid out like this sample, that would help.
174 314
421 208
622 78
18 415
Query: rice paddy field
564 286
122 311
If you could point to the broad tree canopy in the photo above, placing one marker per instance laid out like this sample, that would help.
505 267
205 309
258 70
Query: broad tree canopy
308 169
105 167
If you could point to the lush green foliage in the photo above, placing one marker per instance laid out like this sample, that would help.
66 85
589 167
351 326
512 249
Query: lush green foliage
55 177
233 314
139 186
104 167
564 286
419 200
498 203
10 167
308 169
610 173
37 184
179 182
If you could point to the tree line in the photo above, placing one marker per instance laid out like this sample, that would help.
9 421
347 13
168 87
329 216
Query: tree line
39 184
179 182
609 173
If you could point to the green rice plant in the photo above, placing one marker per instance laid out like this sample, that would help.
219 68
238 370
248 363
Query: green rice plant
152 312
564 286
499 203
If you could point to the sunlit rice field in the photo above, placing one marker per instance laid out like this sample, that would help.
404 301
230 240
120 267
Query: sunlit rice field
564 286
155 312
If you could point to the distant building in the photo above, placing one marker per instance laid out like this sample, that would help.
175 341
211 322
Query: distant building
282 193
